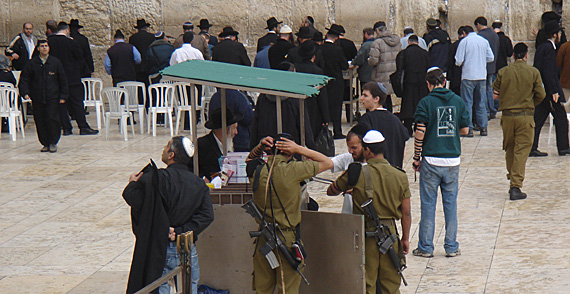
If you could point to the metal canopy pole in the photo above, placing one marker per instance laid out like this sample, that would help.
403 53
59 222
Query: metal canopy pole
302 114
224 123
193 129
351 96
279 115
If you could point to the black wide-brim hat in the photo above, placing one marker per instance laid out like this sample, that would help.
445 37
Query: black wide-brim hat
304 33
335 30
552 27
215 120
74 23
307 49
272 21
228 31
204 24
141 23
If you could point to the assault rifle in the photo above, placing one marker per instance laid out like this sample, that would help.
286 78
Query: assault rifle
272 234
384 238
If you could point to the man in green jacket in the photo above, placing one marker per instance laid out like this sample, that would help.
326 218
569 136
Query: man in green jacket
441 117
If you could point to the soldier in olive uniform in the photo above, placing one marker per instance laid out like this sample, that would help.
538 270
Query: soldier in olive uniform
519 89
391 201
286 177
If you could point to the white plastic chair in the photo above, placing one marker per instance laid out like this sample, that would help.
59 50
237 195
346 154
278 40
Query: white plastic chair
209 91
160 102
134 105
117 110
92 88
183 104
9 109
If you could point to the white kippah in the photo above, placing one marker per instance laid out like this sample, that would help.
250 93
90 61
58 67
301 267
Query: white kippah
432 69
373 136
188 146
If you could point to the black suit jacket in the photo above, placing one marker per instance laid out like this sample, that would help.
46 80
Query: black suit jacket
545 61
335 61
266 40
70 55
278 52
348 48
208 154
230 52
293 56
142 40
87 67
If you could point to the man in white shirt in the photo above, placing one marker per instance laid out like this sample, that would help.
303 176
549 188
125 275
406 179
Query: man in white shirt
186 52
355 153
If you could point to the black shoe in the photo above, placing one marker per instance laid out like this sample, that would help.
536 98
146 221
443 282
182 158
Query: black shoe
484 132
339 136
536 153
476 128
52 148
45 149
469 134
564 152
67 132
516 194
88 131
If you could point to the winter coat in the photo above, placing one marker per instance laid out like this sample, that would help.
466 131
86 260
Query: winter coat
158 55
45 81
382 58
438 44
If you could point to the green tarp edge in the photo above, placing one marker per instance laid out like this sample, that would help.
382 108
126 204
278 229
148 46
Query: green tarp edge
239 75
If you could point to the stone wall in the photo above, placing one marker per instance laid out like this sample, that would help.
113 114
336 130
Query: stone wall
102 17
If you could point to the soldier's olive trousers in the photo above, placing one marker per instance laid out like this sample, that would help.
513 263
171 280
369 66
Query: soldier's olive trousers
265 279
379 267
518 136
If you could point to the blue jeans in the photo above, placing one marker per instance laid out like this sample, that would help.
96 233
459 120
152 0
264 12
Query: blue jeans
491 109
468 90
173 260
432 177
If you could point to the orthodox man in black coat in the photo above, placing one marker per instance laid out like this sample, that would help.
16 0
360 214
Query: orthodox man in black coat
265 117
43 81
87 68
69 53
350 52
316 107
335 63
414 61
210 146
165 203
278 52
142 40
303 36
230 50
545 61
271 36
454 71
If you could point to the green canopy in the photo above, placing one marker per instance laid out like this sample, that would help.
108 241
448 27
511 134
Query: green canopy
285 83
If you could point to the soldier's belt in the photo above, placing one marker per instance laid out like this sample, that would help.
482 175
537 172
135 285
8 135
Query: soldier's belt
518 112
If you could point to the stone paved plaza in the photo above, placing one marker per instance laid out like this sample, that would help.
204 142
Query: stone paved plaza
64 227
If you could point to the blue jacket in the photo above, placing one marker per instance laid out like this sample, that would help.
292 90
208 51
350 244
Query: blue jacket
237 102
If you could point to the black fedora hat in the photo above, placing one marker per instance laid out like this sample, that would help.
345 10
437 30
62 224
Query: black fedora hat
318 36
74 23
335 30
228 31
304 33
141 23
272 21
204 24
552 27
215 120
307 50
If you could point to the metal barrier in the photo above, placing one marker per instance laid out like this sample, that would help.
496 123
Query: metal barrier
181 276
